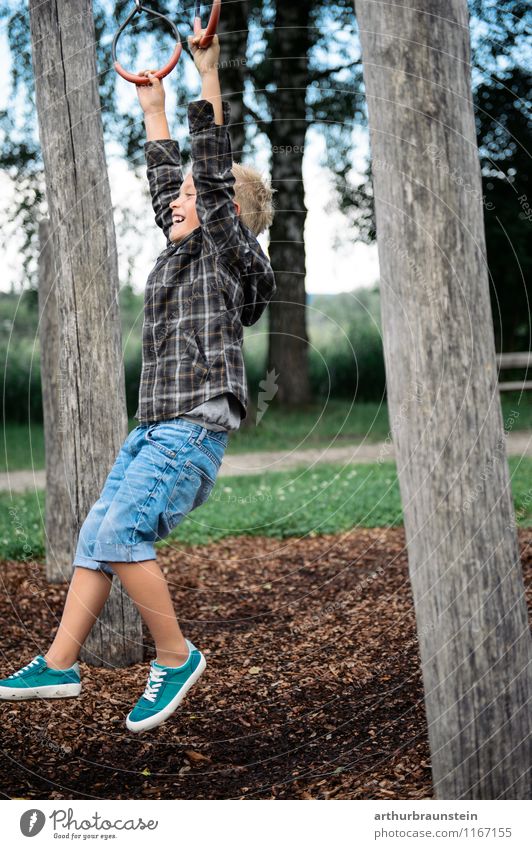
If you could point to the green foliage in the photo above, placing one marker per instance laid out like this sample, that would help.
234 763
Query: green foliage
22 446
22 526
327 423
331 422
335 106
346 363
347 359
502 94
504 126
21 382
20 150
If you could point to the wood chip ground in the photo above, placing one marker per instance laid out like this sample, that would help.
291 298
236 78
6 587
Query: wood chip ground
312 689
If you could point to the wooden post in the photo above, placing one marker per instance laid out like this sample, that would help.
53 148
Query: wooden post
443 398
61 530
93 410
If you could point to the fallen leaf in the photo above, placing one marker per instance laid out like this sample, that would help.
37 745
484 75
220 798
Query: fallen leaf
196 757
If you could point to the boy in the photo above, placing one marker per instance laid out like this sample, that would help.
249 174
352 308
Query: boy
212 277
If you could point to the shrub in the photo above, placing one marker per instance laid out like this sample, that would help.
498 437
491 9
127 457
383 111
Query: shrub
351 366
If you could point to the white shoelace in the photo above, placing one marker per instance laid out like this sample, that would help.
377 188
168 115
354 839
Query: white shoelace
28 665
155 679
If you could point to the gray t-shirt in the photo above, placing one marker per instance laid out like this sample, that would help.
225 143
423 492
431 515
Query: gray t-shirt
221 412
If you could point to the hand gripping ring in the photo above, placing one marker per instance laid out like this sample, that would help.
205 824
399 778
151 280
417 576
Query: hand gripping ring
212 26
206 40
170 65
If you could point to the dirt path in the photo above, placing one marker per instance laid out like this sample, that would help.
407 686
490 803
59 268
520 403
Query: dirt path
519 445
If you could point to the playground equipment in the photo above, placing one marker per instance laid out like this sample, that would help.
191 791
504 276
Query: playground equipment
205 41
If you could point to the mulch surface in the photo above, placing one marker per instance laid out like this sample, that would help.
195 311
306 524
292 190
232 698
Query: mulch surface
312 689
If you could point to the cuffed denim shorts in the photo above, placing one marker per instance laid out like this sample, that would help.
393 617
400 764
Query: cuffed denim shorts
163 470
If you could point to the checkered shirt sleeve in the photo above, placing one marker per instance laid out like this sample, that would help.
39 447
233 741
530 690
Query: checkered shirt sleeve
165 176
212 161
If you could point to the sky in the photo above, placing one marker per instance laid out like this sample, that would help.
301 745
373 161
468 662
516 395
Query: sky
328 270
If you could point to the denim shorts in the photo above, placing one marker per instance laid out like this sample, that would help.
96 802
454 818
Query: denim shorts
163 470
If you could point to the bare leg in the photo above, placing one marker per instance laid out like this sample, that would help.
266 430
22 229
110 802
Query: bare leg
87 594
146 585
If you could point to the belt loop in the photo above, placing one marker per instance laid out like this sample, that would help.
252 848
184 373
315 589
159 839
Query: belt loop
202 433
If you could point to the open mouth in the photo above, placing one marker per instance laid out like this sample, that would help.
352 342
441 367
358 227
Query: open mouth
178 219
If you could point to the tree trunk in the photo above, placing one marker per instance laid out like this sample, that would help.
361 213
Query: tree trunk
60 529
291 40
443 399
93 401
233 33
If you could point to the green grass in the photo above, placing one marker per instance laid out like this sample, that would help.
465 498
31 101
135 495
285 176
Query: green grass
22 447
326 499
317 425
278 430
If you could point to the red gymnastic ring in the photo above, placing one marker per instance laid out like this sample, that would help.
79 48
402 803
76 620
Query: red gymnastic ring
206 40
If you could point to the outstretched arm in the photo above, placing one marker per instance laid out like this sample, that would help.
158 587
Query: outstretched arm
151 98
206 61
163 156
212 162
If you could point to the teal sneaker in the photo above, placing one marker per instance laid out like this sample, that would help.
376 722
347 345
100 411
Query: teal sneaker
166 688
38 681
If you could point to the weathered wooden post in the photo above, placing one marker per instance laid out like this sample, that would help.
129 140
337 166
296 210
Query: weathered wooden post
61 531
443 398
93 410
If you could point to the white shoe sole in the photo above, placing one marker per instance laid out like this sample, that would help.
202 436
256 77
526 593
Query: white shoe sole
154 721
50 691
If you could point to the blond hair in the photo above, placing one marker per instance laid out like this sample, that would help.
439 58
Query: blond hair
255 196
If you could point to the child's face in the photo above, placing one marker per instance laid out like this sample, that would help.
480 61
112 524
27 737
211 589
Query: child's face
184 217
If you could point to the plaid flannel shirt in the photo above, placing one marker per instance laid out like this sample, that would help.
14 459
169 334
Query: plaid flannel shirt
203 289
